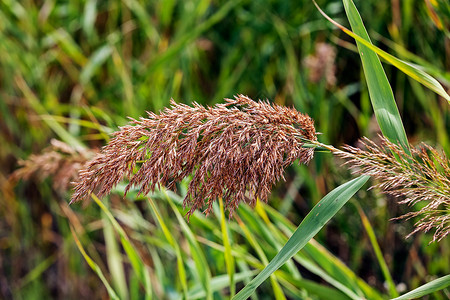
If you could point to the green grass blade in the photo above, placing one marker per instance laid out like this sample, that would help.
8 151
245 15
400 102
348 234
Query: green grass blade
37 271
324 259
326 267
143 18
309 227
94 266
274 235
97 59
218 283
172 241
338 270
114 259
407 68
166 11
229 260
89 17
181 43
198 256
338 283
428 288
135 260
378 253
381 95
278 292
320 290
36 104
64 40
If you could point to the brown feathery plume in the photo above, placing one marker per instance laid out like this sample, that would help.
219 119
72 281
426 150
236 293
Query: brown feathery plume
235 151
322 64
60 161
423 176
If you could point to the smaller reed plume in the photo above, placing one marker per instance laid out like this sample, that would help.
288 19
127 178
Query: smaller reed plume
423 176
59 161
235 151
321 64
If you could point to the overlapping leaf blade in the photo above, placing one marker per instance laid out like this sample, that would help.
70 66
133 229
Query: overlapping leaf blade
313 222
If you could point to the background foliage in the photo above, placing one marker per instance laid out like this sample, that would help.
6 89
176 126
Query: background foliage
75 70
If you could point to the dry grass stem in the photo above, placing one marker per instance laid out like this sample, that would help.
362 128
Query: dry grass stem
423 177
235 151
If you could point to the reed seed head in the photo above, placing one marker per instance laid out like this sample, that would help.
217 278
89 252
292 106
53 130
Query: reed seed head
59 161
322 65
423 176
235 151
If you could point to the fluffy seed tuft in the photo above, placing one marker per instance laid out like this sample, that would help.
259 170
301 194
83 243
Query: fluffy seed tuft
235 151
423 176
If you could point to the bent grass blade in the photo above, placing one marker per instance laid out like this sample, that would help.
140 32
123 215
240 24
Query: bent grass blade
308 228
403 66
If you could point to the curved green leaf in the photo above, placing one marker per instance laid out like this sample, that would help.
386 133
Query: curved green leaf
135 260
407 68
229 260
428 288
201 263
381 95
308 228
94 266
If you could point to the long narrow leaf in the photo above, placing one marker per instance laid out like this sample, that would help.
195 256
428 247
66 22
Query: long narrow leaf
198 256
310 226
114 259
325 260
171 239
181 43
407 68
94 266
378 253
380 91
135 260
229 260
428 288
278 292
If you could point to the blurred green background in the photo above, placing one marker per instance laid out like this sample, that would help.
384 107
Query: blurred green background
75 70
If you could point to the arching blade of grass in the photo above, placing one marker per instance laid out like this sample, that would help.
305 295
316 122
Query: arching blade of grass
37 271
310 226
428 288
260 224
172 241
338 283
181 43
94 266
36 104
278 292
320 290
337 269
229 260
378 253
324 259
98 58
404 54
143 19
317 264
380 91
409 69
114 259
198 256
135 260
218 283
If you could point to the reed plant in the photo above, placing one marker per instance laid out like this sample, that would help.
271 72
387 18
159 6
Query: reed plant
135 240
